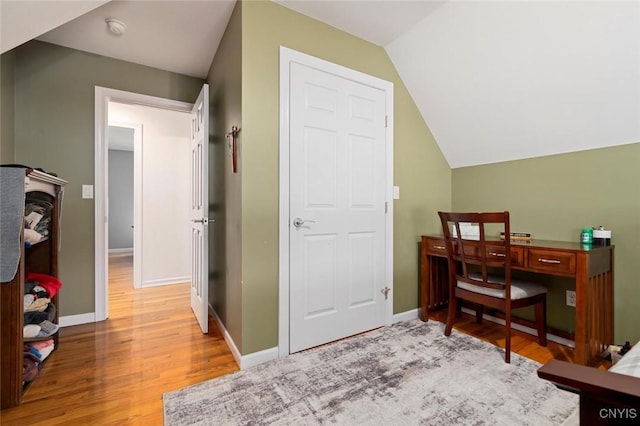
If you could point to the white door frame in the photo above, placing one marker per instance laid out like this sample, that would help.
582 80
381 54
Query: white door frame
137 197
103 96
286 57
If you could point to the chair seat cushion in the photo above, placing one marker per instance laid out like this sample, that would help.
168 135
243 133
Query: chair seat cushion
519 289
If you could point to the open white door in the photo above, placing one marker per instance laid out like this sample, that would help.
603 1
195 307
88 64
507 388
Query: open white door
199 208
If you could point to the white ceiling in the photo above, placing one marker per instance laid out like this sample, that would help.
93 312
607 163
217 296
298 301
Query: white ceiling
494 80
180 36
377 21
23 20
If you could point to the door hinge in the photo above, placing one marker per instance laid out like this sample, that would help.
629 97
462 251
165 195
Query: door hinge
386 207
386 121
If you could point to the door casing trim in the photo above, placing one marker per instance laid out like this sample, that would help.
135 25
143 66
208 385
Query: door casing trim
137 198
286 57
103 96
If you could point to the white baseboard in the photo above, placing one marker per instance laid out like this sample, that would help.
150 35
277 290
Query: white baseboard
165 281
255 358
69 320
406 316
227 337
523 328
121 251
244 361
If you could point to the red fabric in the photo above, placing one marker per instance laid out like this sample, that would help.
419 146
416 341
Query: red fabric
50 283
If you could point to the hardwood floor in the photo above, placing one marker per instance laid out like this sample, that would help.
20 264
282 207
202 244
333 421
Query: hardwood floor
115 372
521 343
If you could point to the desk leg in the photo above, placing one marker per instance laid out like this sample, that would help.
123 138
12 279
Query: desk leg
434 282
594 312
424 281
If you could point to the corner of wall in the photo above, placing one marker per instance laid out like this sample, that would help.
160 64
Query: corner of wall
7 107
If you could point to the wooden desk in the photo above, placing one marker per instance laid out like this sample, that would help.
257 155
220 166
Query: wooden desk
590 266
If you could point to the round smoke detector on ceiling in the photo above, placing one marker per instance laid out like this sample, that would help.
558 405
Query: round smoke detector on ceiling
115 26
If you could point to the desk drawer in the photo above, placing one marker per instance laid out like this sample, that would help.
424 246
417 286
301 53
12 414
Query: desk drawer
553 262
436 247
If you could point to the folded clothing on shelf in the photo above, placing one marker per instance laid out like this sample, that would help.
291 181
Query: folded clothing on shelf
47 328
36 331
48 282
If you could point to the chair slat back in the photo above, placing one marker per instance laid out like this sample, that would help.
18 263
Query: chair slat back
467 254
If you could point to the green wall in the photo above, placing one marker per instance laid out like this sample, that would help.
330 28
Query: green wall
7 107
420 169
554 197
225 190
54 129
48 109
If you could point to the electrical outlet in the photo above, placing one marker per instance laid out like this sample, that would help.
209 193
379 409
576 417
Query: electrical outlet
571 298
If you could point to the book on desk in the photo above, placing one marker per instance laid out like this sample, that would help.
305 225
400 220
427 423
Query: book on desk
517 236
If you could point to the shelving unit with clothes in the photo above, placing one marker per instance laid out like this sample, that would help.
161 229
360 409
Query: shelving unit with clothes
30 207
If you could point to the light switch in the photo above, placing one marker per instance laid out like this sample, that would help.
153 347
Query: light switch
87 192
396 192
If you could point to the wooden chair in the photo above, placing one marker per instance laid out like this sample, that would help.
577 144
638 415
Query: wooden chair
480 272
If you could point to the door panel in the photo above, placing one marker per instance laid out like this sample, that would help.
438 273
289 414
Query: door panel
337 191
199 209
321 262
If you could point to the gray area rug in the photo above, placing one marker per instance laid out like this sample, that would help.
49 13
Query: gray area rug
405 374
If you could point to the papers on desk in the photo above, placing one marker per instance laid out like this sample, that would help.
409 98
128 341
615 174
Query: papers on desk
467 230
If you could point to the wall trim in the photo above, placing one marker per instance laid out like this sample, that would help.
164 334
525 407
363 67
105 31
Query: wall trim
260 357
121 251
165 281
406 316
243 361
523 328
69 320
227 337
255 358
102 97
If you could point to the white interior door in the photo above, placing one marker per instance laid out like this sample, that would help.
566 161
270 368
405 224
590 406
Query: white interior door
337 221
199 208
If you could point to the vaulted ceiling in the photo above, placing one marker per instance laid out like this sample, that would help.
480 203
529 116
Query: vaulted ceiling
494 80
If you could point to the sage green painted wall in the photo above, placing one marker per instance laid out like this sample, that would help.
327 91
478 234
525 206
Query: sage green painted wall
54 129
225 190
420 169
7 116
554 197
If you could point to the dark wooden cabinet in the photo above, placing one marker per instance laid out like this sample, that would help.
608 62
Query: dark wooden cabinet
40 257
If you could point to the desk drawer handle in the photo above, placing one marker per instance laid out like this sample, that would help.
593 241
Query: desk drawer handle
439 247
542 260
492 253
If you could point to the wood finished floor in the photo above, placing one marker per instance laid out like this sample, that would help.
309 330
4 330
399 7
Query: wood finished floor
115 372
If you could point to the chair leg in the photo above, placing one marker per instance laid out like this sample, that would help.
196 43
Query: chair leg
507 340
479 313
451 314
541 321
